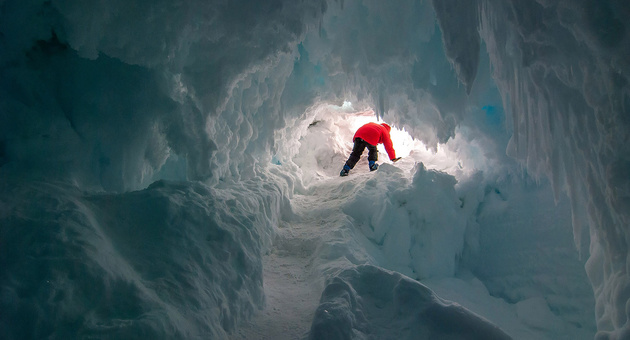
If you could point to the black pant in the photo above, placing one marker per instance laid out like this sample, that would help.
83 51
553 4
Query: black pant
357 151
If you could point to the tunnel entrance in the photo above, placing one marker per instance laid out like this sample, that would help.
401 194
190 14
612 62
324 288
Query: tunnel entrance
324 142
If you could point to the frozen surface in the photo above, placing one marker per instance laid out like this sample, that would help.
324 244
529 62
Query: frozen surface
131 131
368 302
369 218
176 260
562 71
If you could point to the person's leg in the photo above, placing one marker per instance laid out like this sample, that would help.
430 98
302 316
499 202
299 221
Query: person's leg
357 150
372 157
372 153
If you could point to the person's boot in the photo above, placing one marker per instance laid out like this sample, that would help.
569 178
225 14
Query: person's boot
373 166
344 171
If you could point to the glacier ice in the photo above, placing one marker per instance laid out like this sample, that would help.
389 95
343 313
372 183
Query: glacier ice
175 260
369 302
129 129
561 71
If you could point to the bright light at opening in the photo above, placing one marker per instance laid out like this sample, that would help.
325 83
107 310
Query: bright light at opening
326 143
403 142
406 146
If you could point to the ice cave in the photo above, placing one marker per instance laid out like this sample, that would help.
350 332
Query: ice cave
171 169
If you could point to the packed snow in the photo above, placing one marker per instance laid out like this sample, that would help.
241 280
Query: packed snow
171 169
380 219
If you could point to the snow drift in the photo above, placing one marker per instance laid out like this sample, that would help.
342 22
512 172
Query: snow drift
173 260
367 302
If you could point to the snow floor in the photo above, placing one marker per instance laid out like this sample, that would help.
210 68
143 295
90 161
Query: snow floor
320 241
291 300
293 270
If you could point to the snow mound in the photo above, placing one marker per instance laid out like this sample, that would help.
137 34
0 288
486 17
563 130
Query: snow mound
399 215
367 302
176 260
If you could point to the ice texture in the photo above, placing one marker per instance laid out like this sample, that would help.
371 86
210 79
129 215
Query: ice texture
368 302
175 260
502 250
131 131
562 69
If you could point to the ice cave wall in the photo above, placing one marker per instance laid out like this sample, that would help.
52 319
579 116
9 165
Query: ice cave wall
111 96
562 69
120 90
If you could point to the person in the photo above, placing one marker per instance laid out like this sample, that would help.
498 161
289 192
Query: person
369 136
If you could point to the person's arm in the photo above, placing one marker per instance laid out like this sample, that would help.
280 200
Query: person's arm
389 146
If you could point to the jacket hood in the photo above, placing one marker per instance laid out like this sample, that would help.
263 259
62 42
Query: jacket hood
389 128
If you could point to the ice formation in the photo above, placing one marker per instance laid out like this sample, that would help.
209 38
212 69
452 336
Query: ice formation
154 154
401 308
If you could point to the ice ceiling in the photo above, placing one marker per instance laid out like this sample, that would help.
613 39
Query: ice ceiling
114 95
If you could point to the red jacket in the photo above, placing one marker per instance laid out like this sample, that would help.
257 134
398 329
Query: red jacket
375 134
